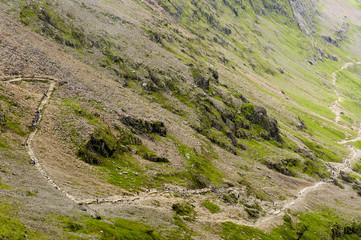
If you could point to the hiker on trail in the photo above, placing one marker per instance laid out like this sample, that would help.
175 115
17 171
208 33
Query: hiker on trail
45 95
97 201
32 162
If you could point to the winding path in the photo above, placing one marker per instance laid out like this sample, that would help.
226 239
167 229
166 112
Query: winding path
40 109
270 214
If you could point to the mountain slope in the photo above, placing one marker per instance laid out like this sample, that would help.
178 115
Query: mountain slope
228 111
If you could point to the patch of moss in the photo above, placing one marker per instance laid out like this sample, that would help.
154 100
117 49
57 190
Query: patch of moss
202 171
111 228
184 209
323 224
40 17
30 194
213 208
4 186
183 232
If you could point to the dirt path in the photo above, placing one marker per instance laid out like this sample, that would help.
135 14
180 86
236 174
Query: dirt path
336 108
277 210
40 109
281 207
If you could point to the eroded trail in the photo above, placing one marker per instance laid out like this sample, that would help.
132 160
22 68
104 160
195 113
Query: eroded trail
40 110
271 211
336 108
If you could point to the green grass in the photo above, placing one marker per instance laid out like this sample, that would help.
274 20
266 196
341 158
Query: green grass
10 228
348 80
184 209
4 186
3 144
202 170
353 107
16 127
357 167
213 208
110 229
41 17
357 144
311 225
30 194
72 106
13 228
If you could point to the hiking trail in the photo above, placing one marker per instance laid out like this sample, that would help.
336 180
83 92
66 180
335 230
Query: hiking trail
273 212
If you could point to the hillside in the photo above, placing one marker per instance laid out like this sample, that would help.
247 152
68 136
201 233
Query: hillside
180 119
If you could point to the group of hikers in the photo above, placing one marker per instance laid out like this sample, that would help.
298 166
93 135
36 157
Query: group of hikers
36 118
37 114
35 122
14 74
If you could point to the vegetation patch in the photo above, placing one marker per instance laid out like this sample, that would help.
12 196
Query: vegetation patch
11 228
254 210
213 208
252 191
113 153
184 209
285 166
202 171
111 229
324 224
357 167
41 18
357 144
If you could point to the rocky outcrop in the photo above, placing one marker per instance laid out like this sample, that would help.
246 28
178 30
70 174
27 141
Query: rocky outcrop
304 12
331 40
259 116
284 166
342 32
143 126
102 144
301 124
2 118
320 55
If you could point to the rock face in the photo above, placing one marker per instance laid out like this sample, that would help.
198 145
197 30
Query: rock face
143 126
345 177
331 40
304 11
101 144
342 32
259 116
2 118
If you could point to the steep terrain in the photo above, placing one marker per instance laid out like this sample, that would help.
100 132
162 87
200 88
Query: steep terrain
180 119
